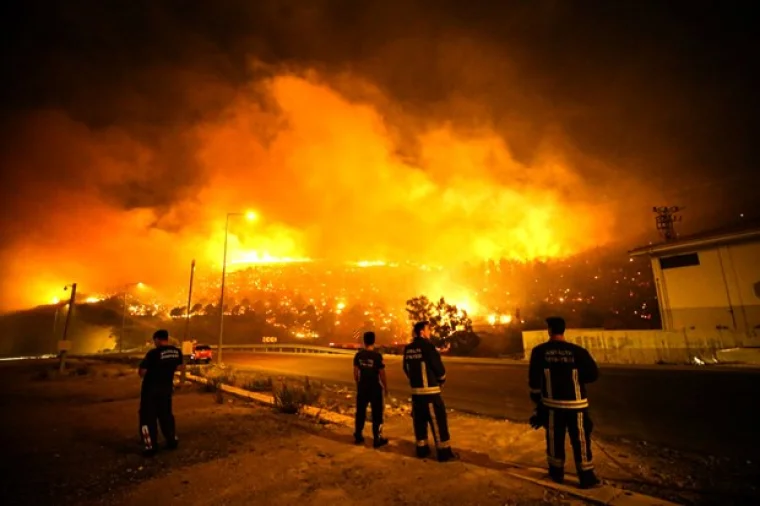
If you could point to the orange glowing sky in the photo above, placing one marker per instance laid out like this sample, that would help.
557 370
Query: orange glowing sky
321 172
378 131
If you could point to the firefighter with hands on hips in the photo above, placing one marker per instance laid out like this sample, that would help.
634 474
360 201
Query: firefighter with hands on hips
424 368
558 374
157 373
371 387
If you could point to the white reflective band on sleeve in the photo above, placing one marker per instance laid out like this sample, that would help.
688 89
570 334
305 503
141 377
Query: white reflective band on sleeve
535 390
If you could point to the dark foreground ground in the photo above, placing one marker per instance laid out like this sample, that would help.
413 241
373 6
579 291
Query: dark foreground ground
73 441
705 410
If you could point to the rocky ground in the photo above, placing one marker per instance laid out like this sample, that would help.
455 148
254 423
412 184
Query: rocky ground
72 440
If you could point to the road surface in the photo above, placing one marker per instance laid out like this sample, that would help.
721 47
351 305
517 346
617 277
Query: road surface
706 410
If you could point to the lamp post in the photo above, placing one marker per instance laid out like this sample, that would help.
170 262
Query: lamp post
250 216
189 301
124 312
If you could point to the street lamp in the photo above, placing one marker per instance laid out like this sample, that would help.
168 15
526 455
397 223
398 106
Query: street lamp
124 311
250 216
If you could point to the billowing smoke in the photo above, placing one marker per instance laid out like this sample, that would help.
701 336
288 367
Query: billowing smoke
350 136
322 173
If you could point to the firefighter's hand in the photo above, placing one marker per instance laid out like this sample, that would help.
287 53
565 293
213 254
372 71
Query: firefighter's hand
540 418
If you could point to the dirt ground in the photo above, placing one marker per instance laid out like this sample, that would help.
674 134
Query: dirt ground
73 440
684 478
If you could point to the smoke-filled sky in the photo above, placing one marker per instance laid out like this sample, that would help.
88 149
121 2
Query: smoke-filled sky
438 131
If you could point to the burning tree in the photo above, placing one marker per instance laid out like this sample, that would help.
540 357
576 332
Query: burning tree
451 327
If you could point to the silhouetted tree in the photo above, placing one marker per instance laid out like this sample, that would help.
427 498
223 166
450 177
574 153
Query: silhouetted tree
445 319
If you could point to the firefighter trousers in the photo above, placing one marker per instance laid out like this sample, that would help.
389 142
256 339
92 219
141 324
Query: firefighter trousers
578 424
373 398
155 410
430 410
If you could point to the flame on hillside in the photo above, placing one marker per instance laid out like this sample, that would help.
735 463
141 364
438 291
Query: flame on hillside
324 177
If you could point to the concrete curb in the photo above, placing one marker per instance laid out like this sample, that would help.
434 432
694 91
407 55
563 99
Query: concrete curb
605 495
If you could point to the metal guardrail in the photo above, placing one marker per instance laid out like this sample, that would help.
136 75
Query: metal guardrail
285 348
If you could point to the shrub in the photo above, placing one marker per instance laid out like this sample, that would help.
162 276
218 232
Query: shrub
44 374
228 378
82 370
214 382
287 399
464 343
311 392
291 398
258 385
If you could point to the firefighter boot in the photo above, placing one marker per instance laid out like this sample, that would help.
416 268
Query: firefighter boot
445 454
557 474
588 479
423 452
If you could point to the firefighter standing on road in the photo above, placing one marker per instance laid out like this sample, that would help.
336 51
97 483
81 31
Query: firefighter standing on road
157 373
558 374
369 374
424 368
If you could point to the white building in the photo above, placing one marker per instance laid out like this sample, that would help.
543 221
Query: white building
709 282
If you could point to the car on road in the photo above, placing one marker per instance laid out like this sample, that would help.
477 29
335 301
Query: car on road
201 354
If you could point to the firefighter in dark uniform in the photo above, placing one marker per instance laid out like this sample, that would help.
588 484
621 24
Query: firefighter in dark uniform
424 368
157 373
558 374
371 386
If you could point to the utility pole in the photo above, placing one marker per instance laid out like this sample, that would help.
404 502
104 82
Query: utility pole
189 301
62 364
666 219
123 320
56 308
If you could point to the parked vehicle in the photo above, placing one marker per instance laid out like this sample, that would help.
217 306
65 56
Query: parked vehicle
201 354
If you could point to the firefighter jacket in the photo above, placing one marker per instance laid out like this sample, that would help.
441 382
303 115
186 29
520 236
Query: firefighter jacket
558 374
424 367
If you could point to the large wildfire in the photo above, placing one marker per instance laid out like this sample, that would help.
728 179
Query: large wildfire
328 177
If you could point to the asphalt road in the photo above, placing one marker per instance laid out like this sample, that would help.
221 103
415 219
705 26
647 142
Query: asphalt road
707 410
